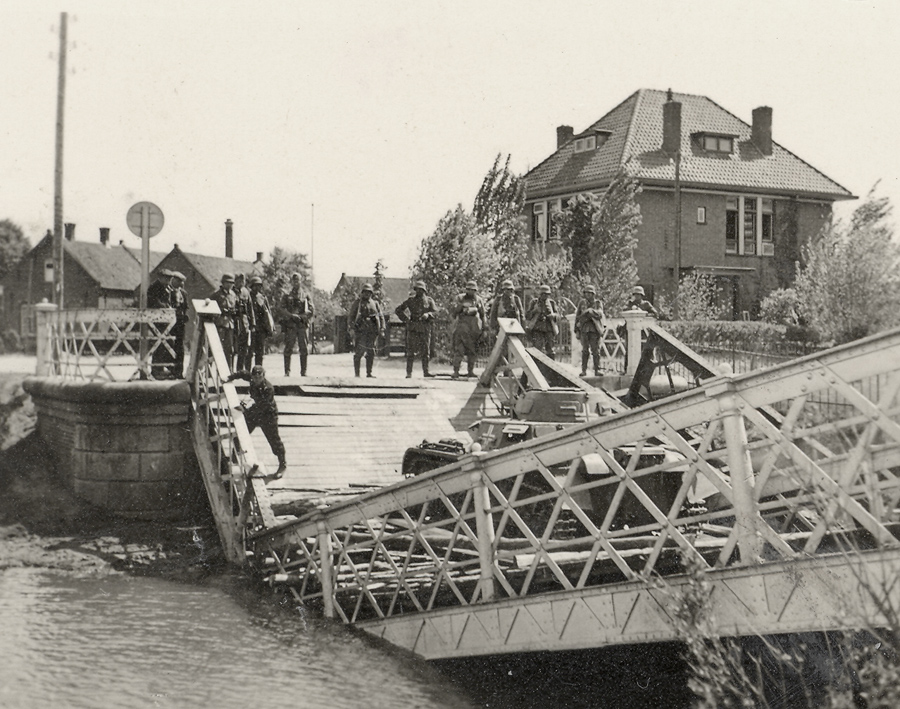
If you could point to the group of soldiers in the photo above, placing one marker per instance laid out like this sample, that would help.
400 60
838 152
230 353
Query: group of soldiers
473 319
245 320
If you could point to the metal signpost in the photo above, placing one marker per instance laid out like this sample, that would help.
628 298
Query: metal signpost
144 219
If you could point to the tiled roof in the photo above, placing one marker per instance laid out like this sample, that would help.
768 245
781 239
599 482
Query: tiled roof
113 267
636 127
212 268
396 290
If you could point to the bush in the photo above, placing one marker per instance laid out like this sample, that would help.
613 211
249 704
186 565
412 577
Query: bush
12 341
781 307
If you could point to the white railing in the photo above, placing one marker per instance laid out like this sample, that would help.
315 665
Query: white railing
96 344
741 471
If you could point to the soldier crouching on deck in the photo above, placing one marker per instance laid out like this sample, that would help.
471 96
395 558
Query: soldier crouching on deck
263 412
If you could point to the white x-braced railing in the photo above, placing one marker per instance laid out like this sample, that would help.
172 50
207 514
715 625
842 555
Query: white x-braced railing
744 470
232 471
96 344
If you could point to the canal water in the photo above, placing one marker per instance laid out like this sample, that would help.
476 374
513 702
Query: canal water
136 641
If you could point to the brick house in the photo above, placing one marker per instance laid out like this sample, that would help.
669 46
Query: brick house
95 275
747 205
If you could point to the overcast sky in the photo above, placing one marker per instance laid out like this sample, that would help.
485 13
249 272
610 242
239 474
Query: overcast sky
384 115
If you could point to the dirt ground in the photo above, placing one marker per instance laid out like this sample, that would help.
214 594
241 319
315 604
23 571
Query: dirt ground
44 525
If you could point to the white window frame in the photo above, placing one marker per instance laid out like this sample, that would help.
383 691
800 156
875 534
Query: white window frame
701 215
763 248
539 209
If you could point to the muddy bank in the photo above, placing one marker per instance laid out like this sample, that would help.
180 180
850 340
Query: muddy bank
43 525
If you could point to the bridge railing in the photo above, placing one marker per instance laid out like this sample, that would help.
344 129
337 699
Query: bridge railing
743 470
97 344
232 472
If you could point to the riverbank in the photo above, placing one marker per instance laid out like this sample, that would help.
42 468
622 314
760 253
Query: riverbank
44 525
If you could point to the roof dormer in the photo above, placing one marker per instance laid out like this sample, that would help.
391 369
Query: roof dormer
590 140
717 143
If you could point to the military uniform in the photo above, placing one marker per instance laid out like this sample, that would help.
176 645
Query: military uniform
263 413
588 329
540 322
506 305
179 301
366 320
242 326
262 325
296 316
417 312
227 301
468 311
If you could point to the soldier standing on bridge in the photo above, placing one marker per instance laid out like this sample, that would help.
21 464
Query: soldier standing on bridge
227 301
468 310
506 305
540 321
263 412
178 299
366 321
417 312
242 323
296 317
589 327
262 324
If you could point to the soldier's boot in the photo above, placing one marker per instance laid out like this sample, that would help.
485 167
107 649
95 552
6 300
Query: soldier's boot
287 365
282 466
302 364
455 374
409 368
470 367
355 367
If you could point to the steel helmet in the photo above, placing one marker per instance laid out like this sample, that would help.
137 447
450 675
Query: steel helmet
545 289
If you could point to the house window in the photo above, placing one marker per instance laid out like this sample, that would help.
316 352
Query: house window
732 213
590 143
48 271
539 221
767 235
750 222
701 215
749 226
579 145
555 208
717 143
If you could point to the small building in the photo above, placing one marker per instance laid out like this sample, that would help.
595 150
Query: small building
95 275
746 204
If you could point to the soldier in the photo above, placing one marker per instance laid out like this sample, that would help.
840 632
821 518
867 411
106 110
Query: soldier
589 327
506 305
417 312
263 412
468 311
179 301
639 302
541 321
296 316
227 301
159 296
242 323
366 321
262 324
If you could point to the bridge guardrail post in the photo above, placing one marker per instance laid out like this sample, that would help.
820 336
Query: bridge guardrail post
636 321
746 512
43 316
327 576
484 526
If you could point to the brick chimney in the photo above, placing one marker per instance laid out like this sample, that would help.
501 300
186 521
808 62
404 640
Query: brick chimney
70 232
671 125
259 256
563 135
104 235
229 239
761 132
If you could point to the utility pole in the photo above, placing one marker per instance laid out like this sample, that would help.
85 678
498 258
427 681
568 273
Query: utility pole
677 217
58 249
312 243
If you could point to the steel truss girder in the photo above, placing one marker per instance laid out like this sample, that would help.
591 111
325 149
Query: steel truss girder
825 593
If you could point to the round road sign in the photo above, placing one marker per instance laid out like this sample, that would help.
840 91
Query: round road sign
145 213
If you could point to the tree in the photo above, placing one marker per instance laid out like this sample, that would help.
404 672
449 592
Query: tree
498 211
849 285
13 246
600 234
457 251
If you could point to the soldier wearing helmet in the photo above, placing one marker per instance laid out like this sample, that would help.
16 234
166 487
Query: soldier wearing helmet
589 327
366 325
296 317
227 302
262 324
541 321
506 305
242 323
418 312
468 313
639 302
